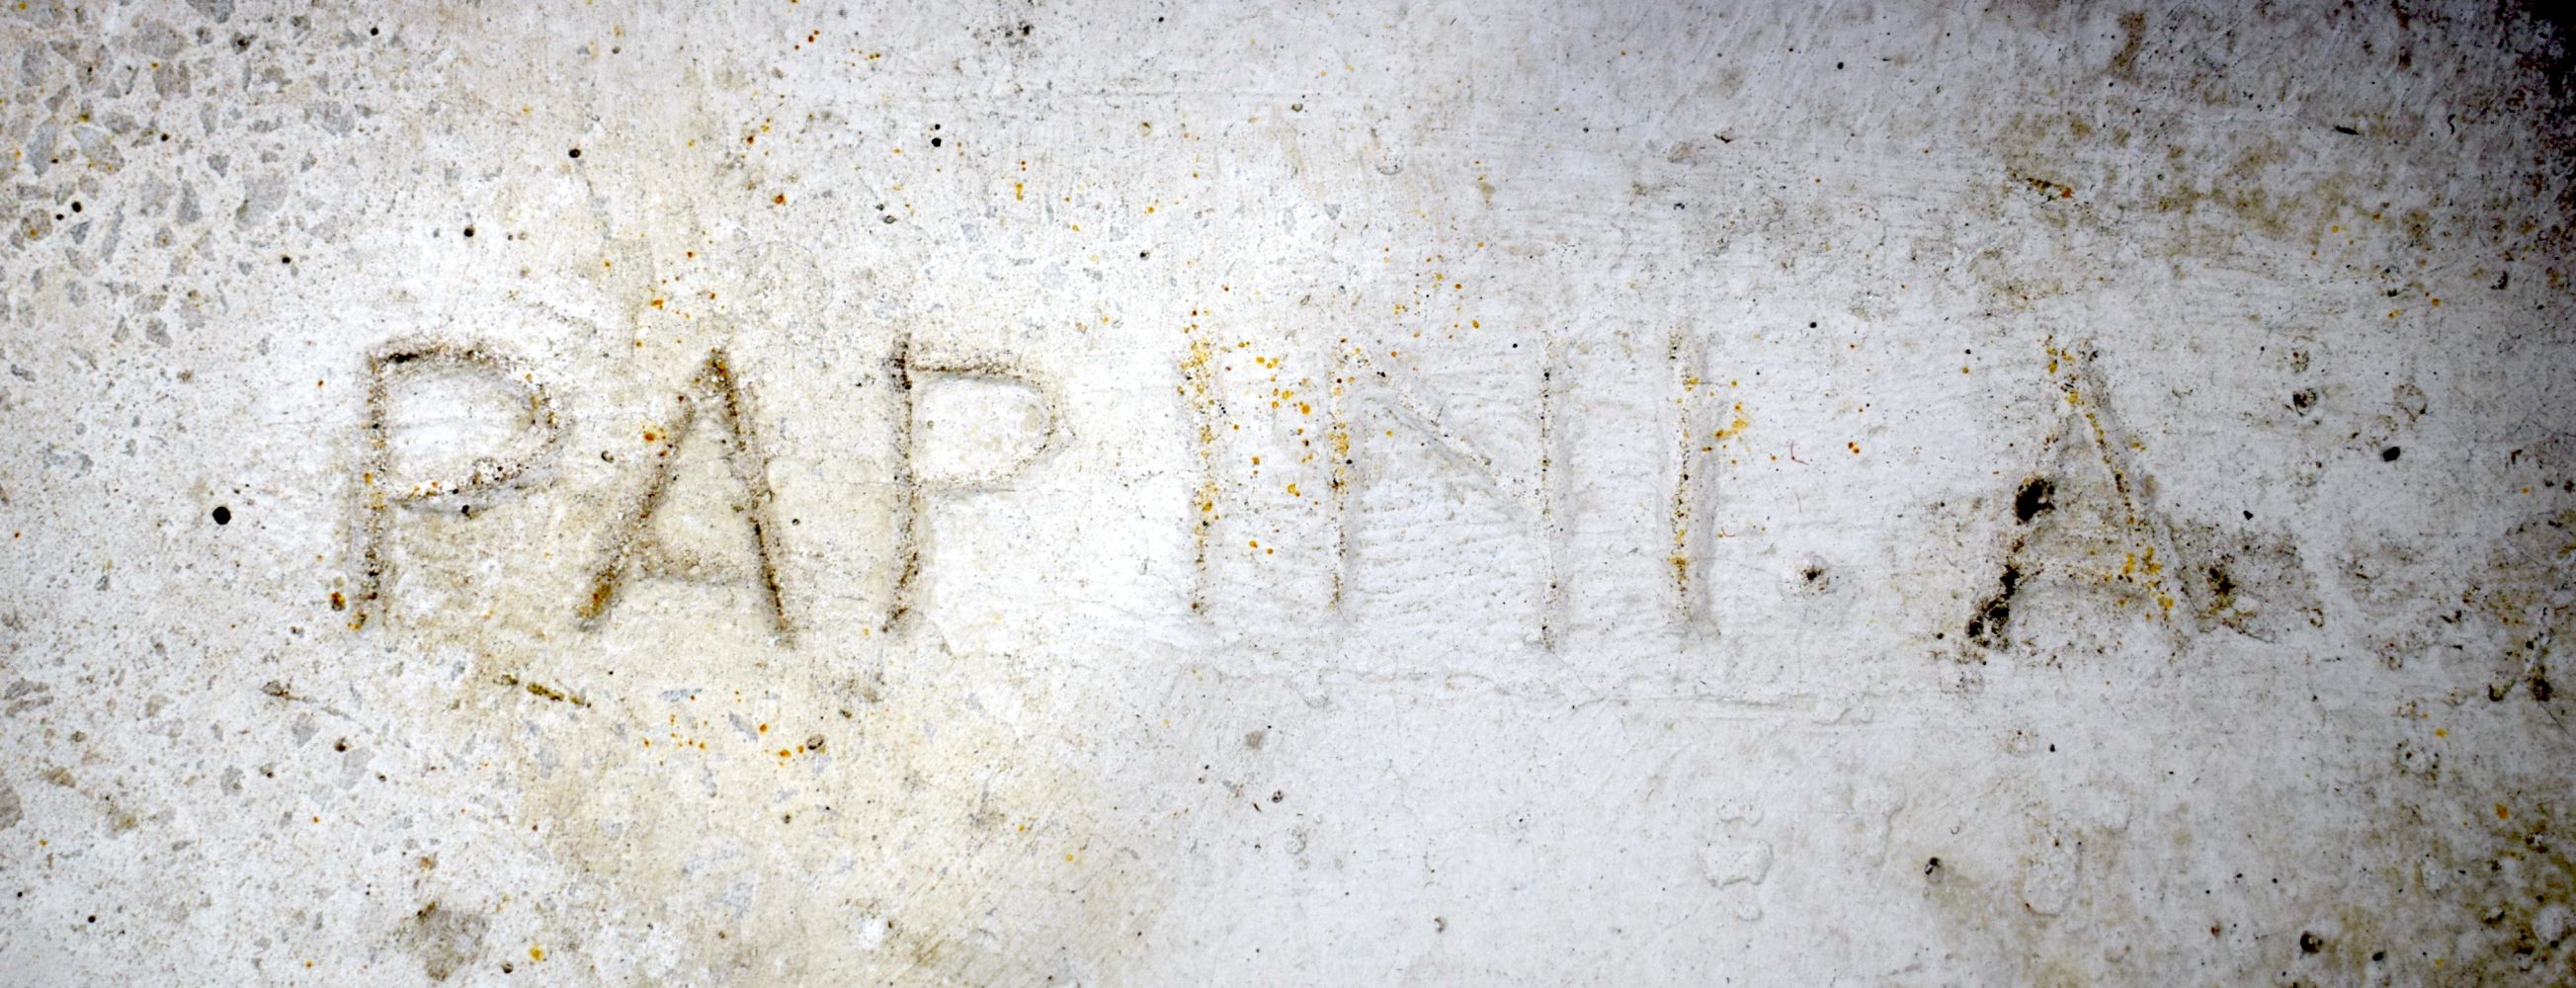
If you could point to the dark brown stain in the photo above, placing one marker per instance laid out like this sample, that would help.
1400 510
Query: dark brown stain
1992 618
907 491
2034 499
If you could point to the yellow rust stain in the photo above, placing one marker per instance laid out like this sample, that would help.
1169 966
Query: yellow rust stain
1735 425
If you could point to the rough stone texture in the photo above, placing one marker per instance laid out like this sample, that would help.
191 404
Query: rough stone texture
1331 494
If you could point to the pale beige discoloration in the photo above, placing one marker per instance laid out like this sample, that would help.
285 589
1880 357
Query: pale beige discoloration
1390 292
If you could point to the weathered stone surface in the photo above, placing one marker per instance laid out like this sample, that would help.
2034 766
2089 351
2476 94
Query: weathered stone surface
1421 493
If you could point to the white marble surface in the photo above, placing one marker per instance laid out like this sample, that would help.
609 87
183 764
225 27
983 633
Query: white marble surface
1336 494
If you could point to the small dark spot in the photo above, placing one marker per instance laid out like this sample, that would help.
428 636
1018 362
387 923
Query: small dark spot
2303 398
76 206
469 231
576 152
814 743
1932 866
371 32
2377 956
2036 497
1277 795
887 218
2310 943
285 259
1812 573
2341 129
340 745
934 142
2389 455
223 515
